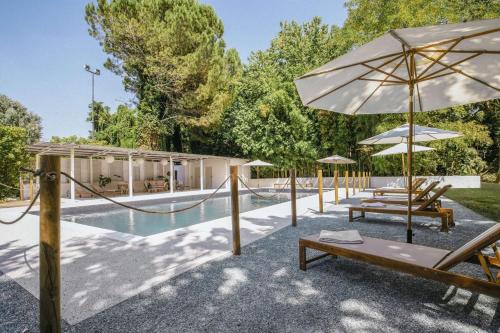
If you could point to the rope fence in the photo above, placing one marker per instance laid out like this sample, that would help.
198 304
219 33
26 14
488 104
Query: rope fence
141 209
32 202
265 196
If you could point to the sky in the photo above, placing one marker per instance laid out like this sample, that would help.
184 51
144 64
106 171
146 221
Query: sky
45 46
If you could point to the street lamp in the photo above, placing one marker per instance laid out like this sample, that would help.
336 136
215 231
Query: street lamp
93 73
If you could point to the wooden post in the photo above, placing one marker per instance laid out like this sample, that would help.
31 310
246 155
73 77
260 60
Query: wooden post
235 210
364 180
353 182
31 187
359 181
293 196
346 179
21 187
50 239
336 181
320 189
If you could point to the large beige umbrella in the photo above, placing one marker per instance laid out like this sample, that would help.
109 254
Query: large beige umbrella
433 67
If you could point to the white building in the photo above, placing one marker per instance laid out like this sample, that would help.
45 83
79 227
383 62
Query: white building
134 171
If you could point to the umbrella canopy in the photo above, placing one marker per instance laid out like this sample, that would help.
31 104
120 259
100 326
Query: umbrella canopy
401 148
257 163
400 135
449 64
336 159
431 67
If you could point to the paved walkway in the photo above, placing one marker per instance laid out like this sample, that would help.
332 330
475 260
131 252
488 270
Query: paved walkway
264 291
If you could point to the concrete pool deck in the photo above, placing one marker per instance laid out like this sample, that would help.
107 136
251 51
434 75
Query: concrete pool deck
101 268
263 290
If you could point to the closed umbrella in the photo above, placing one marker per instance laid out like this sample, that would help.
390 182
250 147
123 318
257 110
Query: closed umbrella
431 67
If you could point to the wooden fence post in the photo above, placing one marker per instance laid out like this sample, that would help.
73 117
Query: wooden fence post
21 187
235 210
31 187
50 239
359 181
293 196
320 189
346 179
353 182
336 181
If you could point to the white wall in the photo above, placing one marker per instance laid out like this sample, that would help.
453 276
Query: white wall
455 181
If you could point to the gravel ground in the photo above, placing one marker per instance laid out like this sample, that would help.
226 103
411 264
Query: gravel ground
264 291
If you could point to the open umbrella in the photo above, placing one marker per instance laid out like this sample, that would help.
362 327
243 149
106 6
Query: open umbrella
433 67
400 135
257 163
401 148
336 159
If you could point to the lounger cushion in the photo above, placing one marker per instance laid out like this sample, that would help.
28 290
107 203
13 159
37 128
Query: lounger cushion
385 249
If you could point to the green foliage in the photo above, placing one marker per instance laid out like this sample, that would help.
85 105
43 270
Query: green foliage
13 113
12 157
75 140
172 57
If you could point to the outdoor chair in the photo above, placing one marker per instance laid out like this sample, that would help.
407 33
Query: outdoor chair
429 208
403 199
421 261
104 191
400 190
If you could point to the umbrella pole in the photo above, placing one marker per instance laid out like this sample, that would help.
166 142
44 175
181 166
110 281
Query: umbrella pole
403 168
409 232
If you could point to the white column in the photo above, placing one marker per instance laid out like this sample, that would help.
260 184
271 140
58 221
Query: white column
91 170
130 177
171 181
37 166
202 175
72 173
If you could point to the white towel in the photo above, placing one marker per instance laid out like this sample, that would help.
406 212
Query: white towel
341 237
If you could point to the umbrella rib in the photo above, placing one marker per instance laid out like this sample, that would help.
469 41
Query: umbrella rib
383 81
457 51
378 87
462 73
349 82
432 75
419 98
438 58
401 80
399 38
350 65
453 39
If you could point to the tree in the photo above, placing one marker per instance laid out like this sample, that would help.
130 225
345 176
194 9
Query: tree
13 156
13 113
172 57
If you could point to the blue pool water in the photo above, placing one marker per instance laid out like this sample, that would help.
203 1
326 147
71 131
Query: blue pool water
144 224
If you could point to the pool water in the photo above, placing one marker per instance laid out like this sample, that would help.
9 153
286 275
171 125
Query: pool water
144 224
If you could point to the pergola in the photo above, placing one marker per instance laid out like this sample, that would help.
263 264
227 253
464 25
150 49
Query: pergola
95 151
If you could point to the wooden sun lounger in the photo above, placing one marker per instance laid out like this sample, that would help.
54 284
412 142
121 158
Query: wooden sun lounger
403 200
429 208
395 190
422 261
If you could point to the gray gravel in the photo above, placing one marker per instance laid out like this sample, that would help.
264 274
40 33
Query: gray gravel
264 291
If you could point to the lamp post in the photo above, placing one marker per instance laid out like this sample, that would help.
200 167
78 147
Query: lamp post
93 73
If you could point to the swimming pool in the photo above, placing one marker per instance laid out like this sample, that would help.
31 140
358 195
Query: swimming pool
144 224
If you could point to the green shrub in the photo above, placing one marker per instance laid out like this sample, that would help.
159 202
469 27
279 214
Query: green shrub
13 155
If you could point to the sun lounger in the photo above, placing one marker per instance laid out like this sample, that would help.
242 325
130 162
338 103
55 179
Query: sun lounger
403 200
400 190
104 191
422 261
429 208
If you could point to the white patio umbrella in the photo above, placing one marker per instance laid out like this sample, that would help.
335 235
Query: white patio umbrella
437 66
336 159
400 135
402 148
257 164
